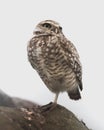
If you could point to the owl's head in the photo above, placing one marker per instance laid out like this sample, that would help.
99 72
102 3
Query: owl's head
48 27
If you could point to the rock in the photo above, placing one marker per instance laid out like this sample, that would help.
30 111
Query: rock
19 114
32 119
9 101
6 100
62 119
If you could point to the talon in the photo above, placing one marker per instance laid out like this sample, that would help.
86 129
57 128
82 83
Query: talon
48 107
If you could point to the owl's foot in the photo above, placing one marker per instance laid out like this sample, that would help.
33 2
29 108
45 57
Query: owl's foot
47 108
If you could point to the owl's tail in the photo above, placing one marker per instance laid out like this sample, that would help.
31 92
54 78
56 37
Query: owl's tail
74 94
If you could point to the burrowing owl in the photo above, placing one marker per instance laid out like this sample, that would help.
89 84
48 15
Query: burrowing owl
55 59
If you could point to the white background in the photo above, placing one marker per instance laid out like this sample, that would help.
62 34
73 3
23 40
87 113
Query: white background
83 24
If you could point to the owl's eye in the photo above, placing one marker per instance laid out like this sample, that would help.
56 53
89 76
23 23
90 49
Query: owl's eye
47 25
60 28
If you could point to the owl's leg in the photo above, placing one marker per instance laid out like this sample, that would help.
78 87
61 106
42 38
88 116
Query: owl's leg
48 107
56 97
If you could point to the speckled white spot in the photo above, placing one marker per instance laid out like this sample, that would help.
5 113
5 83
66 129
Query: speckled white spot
52 50
38 51
47 49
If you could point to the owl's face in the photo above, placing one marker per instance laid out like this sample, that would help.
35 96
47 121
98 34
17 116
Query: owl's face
48 27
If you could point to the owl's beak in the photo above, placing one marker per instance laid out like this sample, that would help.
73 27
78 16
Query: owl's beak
37 31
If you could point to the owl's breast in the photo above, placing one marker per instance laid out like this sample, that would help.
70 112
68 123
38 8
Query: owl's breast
47 58
44 54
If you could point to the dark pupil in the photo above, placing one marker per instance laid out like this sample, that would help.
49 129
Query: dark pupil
60 28
47 25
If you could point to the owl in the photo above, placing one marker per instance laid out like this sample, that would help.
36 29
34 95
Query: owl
55 59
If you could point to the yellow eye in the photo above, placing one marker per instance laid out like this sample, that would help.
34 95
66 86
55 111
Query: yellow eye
47 25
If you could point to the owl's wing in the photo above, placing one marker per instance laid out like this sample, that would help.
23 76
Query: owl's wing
73 61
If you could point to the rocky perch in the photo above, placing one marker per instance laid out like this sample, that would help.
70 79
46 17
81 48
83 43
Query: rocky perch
29 117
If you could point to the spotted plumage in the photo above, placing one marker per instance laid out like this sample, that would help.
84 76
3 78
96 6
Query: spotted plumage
55 59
